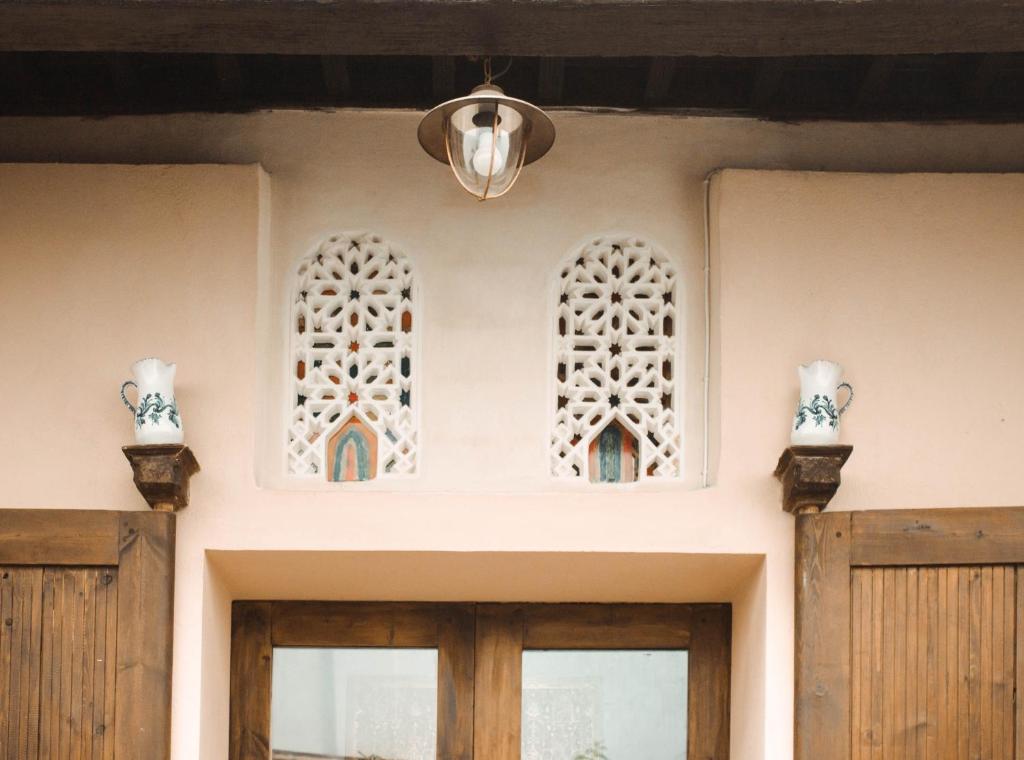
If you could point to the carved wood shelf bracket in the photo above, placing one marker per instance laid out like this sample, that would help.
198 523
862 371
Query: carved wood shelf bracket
162 472
810 476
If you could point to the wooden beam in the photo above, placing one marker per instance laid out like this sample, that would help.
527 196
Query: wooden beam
528 28
443 77
337 82
58 536
551 81
660 75
229 74
767 79
876 79
938 537
980 82
123 74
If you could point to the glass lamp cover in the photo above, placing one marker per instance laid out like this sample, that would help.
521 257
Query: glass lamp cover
486 144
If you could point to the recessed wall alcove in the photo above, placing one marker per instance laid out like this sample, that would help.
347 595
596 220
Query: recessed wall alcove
604 577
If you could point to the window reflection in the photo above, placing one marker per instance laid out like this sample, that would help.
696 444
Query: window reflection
344 704
604 705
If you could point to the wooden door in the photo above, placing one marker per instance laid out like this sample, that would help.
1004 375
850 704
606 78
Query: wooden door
481 650
908 633
86 601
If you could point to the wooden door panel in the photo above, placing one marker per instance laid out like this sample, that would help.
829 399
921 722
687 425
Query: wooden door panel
932 665
86 610
20 618
79 640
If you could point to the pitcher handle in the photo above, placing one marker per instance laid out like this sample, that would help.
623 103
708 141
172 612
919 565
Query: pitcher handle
124 398
849 400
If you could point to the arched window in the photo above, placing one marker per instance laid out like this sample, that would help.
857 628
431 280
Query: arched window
615 418
352 362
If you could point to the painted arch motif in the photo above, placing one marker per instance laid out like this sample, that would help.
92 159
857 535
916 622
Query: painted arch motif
352 362
615 417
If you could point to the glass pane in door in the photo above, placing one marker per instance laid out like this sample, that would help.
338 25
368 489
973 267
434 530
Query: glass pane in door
604 705
354 703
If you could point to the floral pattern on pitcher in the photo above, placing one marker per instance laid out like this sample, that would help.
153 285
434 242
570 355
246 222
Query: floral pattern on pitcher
156 415
816 420
152 406
820 409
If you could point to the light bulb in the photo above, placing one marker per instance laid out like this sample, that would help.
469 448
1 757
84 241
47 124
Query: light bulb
482 157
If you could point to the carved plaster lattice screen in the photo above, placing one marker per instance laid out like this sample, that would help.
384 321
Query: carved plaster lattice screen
352 361
616 363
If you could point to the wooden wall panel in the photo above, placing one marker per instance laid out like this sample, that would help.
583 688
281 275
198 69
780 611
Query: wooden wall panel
78 663
86 611
20 616
933 663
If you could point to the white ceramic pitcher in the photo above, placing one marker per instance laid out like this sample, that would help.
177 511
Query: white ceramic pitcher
816 421
156 411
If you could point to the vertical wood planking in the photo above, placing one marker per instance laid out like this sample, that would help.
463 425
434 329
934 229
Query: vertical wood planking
78 638
1019 668
499 660
933 657
20 642
823 638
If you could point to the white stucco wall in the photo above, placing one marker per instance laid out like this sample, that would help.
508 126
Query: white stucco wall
911 281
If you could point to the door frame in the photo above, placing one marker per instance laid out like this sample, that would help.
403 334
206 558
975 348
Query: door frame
829 546
480 648
141 546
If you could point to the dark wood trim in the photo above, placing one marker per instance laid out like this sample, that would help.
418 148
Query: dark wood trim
145 635
480 649
822 664
710 681
58 537
938 537
251 670
499 675
257 627
456 670
608 626
531 28
356 624
704 629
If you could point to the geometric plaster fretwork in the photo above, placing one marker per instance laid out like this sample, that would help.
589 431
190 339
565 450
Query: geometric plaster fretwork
351 361
616 362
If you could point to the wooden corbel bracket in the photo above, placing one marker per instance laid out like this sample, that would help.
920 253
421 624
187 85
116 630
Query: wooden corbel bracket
810 476
162 472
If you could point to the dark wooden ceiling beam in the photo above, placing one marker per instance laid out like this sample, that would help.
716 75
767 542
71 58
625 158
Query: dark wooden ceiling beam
767 79
230 77
551 80
337 82
978 84
443 77
876 81
660 74
523 28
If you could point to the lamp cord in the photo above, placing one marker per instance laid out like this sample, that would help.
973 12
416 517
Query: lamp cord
488 76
